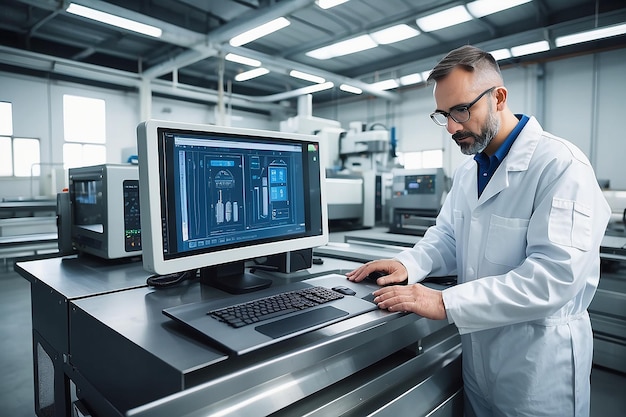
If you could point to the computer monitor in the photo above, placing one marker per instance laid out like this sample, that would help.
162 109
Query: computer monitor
213 197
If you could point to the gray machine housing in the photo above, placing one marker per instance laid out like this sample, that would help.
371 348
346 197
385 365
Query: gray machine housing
416 198
104 205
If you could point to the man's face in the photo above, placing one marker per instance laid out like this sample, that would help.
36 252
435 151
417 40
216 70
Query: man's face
472 143
458 89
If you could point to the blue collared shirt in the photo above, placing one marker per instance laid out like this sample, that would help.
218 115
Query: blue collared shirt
487 165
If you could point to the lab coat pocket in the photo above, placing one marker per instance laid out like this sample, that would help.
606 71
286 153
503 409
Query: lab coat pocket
570 224
506 242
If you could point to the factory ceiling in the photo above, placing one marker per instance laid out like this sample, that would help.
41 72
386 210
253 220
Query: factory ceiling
48 38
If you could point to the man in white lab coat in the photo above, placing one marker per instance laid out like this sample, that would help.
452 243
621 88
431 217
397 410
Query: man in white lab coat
521 227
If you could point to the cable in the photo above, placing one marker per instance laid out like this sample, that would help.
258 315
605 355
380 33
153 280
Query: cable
169 280
378 124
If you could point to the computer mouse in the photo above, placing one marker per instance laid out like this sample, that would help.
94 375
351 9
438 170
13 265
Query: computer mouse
344 290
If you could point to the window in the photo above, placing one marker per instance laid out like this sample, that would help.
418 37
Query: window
84 131
19 157
29 158
79 155
423 159
6 118
6 156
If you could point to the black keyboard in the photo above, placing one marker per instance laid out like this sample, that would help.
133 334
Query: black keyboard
273 306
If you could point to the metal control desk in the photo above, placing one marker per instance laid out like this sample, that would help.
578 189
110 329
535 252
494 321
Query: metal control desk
55 283
608 307
607 310
101 345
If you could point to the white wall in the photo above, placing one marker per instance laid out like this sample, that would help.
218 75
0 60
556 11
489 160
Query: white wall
31 119
610 155
568 97
579 99
584 104
38 113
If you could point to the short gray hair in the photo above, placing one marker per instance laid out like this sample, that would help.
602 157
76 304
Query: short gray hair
466 57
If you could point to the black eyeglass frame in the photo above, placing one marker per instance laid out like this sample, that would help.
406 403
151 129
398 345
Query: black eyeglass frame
461 107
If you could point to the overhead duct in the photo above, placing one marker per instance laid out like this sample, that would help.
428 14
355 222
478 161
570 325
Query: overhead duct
45 63
203 46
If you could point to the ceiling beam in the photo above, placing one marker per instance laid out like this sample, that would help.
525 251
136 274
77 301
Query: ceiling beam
283 65
217 40
81 70
209 46
203 46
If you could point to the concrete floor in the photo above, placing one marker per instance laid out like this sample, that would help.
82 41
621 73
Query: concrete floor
16 366
16 357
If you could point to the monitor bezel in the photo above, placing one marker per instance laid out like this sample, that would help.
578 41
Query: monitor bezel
154 259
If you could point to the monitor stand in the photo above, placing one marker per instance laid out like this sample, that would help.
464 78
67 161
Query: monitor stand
232 278
288 262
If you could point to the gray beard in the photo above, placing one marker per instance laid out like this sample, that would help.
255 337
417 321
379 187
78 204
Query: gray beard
481 141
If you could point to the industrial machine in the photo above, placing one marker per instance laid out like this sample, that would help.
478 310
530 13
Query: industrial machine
617 202
357 191
417 196
104 204
357 162
607 309
362 149
355 199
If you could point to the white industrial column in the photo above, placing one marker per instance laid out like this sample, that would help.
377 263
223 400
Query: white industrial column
220 117
145 99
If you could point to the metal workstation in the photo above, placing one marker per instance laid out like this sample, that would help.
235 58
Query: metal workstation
108 341
152 183
112 338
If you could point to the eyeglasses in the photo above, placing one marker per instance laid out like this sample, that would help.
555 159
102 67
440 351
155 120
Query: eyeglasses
459 114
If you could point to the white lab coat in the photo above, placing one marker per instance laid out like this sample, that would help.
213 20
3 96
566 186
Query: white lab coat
527 258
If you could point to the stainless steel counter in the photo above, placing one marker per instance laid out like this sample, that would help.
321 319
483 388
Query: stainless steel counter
114 353
608 317
54 283
607 310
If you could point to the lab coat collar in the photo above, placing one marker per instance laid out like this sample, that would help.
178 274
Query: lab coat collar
518 159
524 147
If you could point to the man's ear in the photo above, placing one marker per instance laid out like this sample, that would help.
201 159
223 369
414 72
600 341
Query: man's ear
501 94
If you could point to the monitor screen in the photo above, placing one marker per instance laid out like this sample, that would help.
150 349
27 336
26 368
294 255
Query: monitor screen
87 204
419 184
217 196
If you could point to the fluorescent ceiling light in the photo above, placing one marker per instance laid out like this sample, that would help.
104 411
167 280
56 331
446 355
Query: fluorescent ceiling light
385 84
394 34
260 31
411 79
500 54
242 60
530 48
350 89
307 77
248 75
425 75
327 4
317 87
361 43
591 35
482 8
350 46
443 19
111 19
